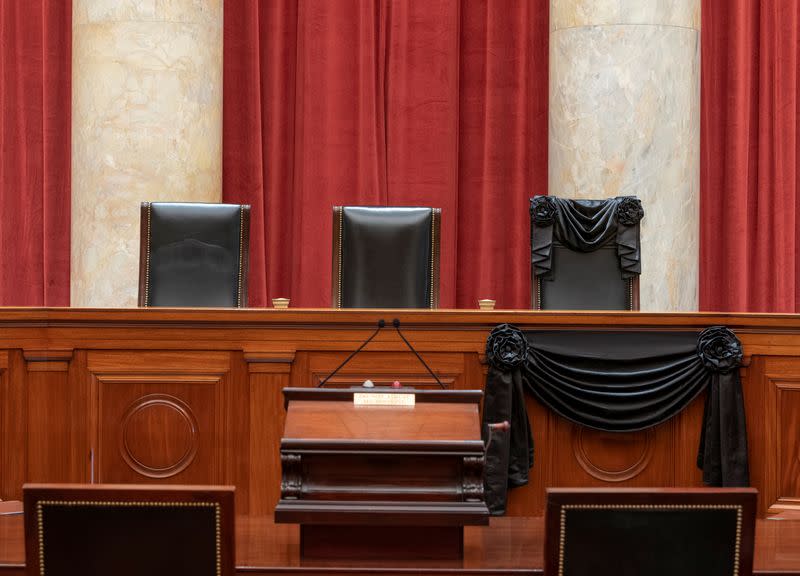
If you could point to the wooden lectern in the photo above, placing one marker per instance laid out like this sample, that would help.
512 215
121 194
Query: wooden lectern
381 481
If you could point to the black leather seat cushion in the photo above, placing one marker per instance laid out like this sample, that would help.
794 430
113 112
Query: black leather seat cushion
386 257
585 281
195 255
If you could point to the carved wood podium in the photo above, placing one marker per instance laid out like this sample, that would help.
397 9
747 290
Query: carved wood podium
381 481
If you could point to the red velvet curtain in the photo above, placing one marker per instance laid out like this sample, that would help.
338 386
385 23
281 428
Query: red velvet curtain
749 235
35 72
387 102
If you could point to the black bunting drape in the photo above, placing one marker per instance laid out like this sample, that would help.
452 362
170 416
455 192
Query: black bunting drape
585 226
617 382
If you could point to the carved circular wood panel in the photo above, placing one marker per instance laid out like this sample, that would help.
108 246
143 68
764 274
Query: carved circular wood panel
610 456
158 436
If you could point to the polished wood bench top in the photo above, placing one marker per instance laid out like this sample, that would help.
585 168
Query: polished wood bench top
507 546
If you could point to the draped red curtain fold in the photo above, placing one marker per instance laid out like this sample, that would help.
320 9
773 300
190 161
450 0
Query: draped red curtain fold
35 75
749 235
384 102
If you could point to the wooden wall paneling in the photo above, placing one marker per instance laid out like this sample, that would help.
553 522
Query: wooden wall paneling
474 371
587 457
269 375
687 428
13 453
781 491
57 417
774 433
161 416
237 431
385 367
789 443
760 432
177 345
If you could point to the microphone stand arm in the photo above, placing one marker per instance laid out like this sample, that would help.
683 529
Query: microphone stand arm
396 324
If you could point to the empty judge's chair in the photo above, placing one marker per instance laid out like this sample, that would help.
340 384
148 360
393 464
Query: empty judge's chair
652 531
194 254
585 254
129 530
385 257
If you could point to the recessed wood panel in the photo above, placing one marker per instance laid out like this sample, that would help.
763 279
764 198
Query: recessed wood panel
267 417
789 442
159 429
586 457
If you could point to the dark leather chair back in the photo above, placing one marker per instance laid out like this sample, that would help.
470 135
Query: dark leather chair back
585 281
385 257
582 259
94 530
658 532
194 254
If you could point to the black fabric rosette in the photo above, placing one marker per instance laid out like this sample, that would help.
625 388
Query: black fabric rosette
506 347
719 349
543 210
629 211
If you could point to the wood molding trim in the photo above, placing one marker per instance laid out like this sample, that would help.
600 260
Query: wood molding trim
47 360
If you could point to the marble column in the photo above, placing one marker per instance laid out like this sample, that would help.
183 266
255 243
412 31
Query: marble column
625 120
146 125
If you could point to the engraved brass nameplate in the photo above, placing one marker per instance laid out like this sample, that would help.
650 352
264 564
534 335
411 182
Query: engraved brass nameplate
382 399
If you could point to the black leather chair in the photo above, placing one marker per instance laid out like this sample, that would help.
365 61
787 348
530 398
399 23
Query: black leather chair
585 254
194 254
385 257
96 529
658 532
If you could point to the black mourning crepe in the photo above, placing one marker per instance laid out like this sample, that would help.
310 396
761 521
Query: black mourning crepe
617 382
585 226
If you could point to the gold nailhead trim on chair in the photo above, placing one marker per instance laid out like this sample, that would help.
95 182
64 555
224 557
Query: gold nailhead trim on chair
562 536
630 294
539 292
339 256
433 252
241 256
147 261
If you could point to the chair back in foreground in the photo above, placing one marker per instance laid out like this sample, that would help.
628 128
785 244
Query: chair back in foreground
194 254
585 254
653 531
385 257
127 530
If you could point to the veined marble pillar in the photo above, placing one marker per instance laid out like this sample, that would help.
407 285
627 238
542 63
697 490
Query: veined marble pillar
146 126
625 120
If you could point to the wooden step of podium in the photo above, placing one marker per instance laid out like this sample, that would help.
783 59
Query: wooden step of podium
349 542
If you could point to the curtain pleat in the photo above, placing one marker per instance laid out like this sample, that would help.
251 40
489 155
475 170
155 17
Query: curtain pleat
749 239
35 96
379 102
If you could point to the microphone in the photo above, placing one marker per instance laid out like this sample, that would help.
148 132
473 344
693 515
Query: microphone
396 324
381 324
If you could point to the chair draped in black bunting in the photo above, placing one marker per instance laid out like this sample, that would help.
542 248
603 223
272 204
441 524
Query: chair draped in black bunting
585 254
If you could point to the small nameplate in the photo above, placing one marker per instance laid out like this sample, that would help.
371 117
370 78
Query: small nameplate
382 399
